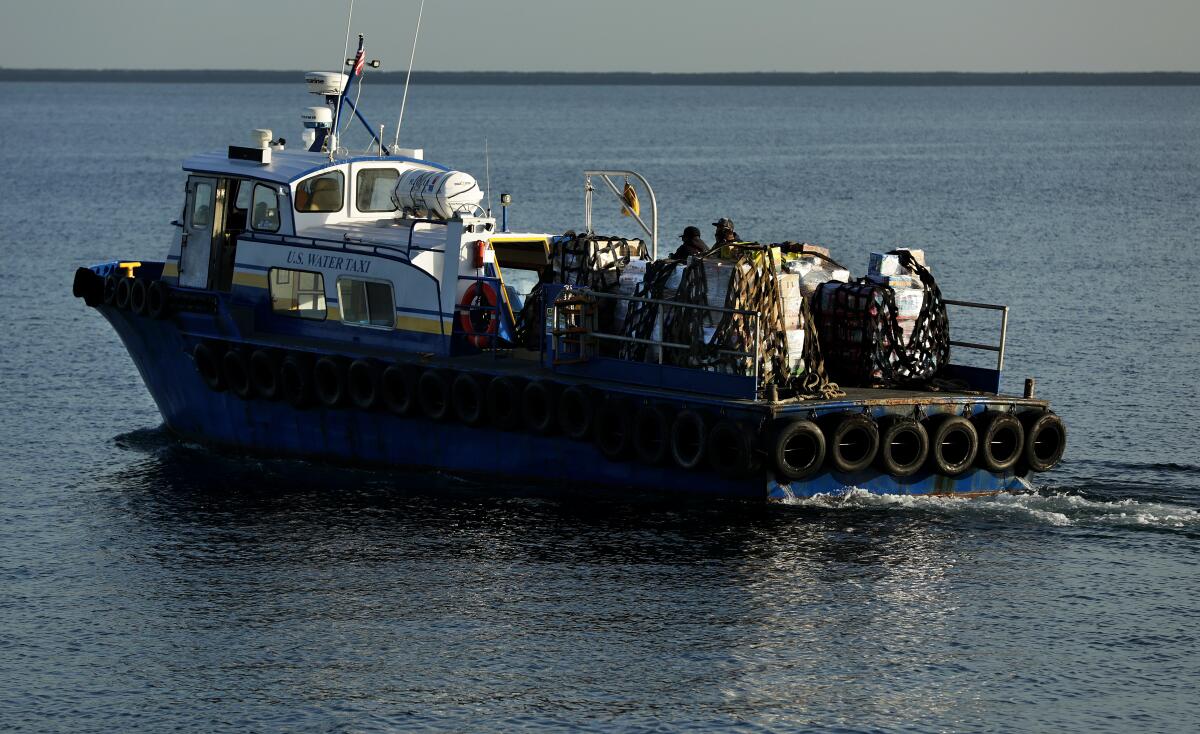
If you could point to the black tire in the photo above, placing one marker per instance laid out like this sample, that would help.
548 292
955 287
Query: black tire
953 444
329 381
575 412
651 434
730 449
236 371
137 296
433 395
207 358
124 291
797 449
111 281
903 446
362 384
613 428
852 440
295 380
1001 440
398 387
504 403
467 399
88 286
1045 440
689 436
264 374
158 300
537 407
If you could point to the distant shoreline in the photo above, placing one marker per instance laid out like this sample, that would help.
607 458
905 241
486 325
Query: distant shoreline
765 79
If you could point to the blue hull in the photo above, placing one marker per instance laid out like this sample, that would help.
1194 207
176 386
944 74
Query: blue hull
193 411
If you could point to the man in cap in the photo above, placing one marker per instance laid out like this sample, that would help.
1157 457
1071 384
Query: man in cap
725 234
692 244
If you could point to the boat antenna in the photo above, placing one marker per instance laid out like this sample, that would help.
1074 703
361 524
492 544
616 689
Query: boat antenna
487 172
333 144
408 76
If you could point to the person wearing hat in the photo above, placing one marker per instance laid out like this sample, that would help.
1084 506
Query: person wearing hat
725 234
692 244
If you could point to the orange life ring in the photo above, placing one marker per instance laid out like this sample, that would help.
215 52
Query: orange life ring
478 318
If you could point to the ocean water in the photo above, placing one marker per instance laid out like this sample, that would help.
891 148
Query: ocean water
148 585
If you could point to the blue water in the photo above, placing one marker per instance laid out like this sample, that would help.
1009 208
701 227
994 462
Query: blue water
148 585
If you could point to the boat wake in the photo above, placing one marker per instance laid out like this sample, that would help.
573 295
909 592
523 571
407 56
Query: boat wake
1048 508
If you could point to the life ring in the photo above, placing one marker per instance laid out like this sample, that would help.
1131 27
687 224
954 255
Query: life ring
329 380
575 412
797 449
852 440
477 316
504 402
1045 440
467 399
295 380
362 382
953 444
264 374
651 434
903 446
689 433
236 372
1001 440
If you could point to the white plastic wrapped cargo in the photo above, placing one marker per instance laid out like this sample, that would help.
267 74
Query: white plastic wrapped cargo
440 194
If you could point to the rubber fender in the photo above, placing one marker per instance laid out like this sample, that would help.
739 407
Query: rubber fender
137 296
433 395
158 300
852 440
124 291
398 387
1001 440
537 407
467 399
207 358
689 434
612 428
329 381
88 286
362 384
903 446
1045 440
236 371
797 449
504 402
953 444
575 412
111 281
730 449
264 373
651 434
295 380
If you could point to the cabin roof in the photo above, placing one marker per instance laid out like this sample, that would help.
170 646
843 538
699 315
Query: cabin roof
285 167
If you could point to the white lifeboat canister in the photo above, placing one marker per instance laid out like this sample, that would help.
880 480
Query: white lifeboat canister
440 193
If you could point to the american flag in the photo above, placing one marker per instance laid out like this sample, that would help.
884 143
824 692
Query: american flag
358 58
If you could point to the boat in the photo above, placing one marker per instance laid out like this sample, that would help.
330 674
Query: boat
366 308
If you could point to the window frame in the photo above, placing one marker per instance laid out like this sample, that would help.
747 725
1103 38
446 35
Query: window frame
341 304
298 313
253 225
342 188
358 175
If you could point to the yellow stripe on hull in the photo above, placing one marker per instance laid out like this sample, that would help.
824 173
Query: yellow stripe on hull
250 280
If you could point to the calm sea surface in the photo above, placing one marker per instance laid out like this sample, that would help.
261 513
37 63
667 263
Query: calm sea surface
148 585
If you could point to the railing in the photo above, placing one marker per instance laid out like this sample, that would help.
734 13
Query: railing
998 348
756 355
651 231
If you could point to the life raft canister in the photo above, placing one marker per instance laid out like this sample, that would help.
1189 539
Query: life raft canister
478 317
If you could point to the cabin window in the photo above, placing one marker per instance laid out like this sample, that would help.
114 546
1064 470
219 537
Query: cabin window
321 193
366 302
373 189
297 293
202 199
264 214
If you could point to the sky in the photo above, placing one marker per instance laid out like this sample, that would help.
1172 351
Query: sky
610 35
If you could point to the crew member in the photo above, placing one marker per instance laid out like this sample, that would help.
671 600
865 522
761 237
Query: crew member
725 234
692 244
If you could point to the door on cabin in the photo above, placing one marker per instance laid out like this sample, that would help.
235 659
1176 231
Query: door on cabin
200 224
